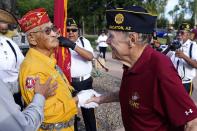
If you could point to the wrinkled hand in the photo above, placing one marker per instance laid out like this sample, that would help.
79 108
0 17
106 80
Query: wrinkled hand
94 99
45 89
92 104
84 96
180 54
65 42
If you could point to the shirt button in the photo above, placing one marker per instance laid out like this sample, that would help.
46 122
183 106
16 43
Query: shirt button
5 52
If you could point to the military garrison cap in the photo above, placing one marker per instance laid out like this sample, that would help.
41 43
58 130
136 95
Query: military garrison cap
33 19
7 17
185 27
71 22
131 19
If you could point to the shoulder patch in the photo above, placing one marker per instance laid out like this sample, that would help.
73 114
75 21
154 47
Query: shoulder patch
30 82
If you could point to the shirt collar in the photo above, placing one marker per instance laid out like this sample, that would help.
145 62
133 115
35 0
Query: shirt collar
50 61
142 63
187 43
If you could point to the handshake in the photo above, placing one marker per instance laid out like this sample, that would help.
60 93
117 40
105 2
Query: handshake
84 96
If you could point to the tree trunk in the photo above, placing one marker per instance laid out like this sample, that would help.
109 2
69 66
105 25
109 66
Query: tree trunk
195 12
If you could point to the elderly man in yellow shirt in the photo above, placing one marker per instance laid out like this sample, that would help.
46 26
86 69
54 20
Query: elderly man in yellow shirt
59 110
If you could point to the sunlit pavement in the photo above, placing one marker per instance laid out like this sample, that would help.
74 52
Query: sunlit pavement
114 66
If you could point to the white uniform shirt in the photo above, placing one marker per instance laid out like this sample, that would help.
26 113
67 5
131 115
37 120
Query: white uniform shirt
79 66
102 41
186 72
9 67
12 119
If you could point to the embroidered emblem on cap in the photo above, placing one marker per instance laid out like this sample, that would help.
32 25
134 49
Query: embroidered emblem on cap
187 26
188 112
30 83
119 18
33 19
134 100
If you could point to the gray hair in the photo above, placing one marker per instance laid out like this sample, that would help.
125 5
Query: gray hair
143 38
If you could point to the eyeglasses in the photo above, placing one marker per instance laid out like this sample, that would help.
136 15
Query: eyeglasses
73 30
48 30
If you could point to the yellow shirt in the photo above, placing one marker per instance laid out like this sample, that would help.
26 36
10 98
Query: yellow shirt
58 108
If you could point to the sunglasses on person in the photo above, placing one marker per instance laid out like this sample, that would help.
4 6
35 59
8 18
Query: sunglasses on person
73 30
48 30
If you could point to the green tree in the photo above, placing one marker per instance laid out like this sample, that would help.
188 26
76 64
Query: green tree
25 5
193 11
171 13
185 7
90 14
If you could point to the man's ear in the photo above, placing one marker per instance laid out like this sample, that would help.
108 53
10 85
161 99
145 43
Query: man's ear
31 39
133 37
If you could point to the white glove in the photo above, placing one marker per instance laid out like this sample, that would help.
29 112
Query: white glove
85 95
92 104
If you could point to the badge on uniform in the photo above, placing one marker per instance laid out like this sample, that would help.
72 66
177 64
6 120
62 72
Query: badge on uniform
190 111
134 101
30 82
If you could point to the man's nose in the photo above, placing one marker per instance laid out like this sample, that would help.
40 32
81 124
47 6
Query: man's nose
53 34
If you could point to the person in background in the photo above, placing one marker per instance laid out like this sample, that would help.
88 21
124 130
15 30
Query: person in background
194 35
151 96
155 42
12 119
81 67
11 56
102 44
170 35
59 110
185 58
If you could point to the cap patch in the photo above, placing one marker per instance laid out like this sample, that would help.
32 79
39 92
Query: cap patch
119 18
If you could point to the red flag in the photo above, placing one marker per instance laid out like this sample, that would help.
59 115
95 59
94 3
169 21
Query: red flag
62 54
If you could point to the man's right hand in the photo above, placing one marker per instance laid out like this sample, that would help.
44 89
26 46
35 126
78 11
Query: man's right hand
85 95
45 89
